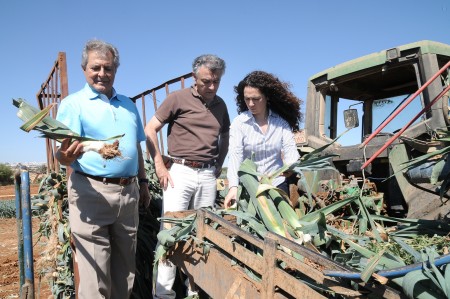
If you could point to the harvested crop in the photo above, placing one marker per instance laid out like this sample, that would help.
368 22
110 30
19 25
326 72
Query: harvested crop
35 119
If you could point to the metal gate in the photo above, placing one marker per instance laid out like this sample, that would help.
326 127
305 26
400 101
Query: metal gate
152 93
53 90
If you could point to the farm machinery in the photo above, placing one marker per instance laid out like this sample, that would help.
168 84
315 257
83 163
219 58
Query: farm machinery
381 121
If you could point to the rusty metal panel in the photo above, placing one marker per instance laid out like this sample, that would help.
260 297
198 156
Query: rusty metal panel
223 272
268 272
152 91
214 273
236 250
226 261
53 90
293 286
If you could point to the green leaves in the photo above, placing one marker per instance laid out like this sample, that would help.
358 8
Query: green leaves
264 206
35 119
51 204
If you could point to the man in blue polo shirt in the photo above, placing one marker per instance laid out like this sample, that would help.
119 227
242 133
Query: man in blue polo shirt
103 193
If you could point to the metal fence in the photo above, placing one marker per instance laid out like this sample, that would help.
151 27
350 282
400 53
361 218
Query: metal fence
153 94
53 90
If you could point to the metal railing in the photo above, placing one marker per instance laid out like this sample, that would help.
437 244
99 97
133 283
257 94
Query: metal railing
399 109
152 92
53 90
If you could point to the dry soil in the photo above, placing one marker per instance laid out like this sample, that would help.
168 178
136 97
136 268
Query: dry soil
9 265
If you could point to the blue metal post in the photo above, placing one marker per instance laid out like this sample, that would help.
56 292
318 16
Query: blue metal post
27 231
19 229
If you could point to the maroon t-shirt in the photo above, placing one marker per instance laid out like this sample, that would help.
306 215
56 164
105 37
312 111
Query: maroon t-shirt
194 127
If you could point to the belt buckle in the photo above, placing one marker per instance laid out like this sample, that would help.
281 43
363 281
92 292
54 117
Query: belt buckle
196 164
124 181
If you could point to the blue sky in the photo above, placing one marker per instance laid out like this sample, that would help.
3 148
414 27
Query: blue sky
158 40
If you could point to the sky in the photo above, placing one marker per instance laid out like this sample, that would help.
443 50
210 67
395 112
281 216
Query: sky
158 40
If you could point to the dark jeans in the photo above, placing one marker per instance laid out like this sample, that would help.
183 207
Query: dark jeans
284 186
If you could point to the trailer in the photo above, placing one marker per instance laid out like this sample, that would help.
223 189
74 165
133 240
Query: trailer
232 270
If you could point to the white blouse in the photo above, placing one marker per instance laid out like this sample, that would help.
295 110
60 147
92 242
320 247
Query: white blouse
270 149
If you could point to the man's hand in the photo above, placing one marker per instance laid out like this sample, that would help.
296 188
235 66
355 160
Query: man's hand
163 175
144 195
151 130
69 152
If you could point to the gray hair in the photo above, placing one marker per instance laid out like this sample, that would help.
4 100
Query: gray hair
212 62
100 47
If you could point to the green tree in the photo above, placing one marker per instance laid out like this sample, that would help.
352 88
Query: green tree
42 169
6 174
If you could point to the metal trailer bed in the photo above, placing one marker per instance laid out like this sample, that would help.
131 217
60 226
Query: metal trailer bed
221 272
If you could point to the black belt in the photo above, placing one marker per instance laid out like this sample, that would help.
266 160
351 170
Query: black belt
117 181
192 164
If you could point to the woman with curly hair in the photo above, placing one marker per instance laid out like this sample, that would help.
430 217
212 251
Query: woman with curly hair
268 113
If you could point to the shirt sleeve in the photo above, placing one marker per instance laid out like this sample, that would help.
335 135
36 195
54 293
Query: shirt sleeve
165 112
235 154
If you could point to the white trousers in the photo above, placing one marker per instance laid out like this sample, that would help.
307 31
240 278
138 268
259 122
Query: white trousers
193 189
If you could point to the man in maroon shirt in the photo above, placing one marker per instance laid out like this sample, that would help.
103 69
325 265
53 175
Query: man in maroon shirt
198 134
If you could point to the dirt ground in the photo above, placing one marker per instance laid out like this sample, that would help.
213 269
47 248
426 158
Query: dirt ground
8 192
9 265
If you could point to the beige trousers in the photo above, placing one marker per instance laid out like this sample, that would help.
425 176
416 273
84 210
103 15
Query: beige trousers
103 220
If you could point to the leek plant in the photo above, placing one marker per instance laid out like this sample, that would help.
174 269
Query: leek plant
7 208
339 230
35 119
55 263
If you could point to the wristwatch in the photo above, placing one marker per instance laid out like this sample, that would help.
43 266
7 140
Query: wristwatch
143 181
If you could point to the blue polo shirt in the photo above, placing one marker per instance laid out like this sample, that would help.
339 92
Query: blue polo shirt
93 115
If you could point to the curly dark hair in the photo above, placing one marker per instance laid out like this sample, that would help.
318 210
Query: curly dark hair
279 97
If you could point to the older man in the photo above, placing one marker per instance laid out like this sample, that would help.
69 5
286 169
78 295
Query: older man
103 194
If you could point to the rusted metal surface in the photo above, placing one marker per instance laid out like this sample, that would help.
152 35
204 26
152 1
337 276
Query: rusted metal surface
213 273
399 109
405 127
223 272
152 92
53 90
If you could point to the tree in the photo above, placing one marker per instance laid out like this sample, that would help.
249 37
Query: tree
42 169
6 174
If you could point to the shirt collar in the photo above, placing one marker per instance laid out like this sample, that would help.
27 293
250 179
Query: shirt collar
197 95
246 116
93 94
